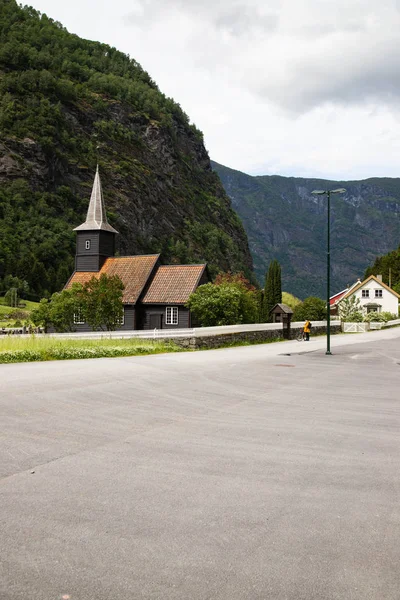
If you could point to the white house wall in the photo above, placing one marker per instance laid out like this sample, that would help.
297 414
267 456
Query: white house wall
389 302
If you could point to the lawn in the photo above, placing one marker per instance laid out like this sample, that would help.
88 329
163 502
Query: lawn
32 348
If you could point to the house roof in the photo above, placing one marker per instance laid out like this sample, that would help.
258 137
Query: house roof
134 272
370 278
282 308
173 284
337 297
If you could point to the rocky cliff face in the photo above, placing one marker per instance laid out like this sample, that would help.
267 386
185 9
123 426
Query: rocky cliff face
66 104
283 220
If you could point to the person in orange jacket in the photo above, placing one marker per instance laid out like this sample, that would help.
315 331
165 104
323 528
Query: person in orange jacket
306 330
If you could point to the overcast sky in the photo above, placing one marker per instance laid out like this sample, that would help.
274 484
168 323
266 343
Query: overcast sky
291 87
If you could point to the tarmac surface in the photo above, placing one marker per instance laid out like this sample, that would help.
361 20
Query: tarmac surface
261 472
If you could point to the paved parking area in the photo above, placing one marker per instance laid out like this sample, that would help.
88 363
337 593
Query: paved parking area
246 473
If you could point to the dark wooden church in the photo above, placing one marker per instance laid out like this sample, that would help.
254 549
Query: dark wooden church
155 295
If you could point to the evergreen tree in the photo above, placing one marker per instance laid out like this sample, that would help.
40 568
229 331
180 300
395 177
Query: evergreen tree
273 289
277 283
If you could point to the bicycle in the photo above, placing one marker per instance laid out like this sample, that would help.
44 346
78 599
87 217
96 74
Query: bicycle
301 336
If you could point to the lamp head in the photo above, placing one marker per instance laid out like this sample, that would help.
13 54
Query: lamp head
338 191
319 192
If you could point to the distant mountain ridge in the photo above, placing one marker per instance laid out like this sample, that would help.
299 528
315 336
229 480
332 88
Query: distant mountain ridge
283 220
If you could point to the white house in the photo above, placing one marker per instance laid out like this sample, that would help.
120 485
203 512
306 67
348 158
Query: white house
374 296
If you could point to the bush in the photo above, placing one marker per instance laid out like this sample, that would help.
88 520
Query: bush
312 308
65 352
382 317
224 304
20 315
350 310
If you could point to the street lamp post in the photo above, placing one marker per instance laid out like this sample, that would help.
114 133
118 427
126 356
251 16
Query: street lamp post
328 262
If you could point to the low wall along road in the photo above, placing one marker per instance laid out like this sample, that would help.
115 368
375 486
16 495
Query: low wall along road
211 337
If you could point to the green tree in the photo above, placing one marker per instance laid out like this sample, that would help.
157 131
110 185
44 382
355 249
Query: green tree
350 310
396 287
250 299
388 266
63 307
224 304
312 308
273 289
16 288
40 316
101 302
290 300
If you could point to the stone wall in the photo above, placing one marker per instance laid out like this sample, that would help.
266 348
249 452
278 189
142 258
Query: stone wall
316 330
253 337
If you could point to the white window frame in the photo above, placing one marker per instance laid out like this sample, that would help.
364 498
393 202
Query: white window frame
78 316
378 293
171 315
365 293
87 244
122 321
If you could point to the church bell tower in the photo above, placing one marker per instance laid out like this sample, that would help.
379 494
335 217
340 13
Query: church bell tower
95 238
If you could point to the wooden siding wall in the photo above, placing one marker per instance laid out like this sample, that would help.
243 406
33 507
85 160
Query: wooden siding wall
160 309
102 245
129 323
107 243
204 278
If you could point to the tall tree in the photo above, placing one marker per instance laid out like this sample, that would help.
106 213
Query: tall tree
273 289
224 304
101 302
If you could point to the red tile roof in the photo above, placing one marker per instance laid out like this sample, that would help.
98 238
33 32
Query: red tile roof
134 272
173 284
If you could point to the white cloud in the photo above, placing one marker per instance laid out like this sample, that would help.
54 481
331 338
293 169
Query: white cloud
297 87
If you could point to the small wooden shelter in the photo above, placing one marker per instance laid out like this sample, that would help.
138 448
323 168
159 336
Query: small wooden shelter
281 313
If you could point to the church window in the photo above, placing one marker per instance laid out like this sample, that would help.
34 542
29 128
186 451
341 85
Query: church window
79 319
171 317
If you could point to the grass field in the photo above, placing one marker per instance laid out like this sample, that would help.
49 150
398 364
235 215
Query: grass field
10 310
35 348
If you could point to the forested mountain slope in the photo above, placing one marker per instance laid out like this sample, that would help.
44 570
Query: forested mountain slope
283 220
66 103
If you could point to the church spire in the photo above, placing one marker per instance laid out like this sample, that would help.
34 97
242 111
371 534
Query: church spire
96 218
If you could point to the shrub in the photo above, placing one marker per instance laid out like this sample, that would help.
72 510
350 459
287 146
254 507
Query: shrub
382 317
350 310
312 308
224 304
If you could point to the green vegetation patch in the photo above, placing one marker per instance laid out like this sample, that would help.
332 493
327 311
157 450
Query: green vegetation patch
11 314
34 348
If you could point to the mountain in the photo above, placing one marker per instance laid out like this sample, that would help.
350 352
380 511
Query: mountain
283 220
68 103
389 267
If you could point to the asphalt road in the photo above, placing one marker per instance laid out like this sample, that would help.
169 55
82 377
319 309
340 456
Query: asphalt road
230 475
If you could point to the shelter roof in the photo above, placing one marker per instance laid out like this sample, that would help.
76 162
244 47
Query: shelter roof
282 308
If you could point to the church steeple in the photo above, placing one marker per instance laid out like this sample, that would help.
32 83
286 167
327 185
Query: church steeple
96 217
95 238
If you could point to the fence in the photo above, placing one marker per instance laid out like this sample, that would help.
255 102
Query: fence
355 327
198 332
